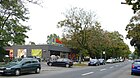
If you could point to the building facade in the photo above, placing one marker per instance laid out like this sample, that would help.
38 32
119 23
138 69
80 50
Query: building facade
42 51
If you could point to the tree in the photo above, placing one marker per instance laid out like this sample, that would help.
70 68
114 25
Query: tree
12 13
83 32
32 43
95 41
117 47
135 4
133 31
54 39
76 25
136 54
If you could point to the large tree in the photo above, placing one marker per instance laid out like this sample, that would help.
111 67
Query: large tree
95 41
76 24
133 30
134 3
117 45
12 14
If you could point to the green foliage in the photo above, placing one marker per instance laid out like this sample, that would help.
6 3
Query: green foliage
12 13
32 43
133 30
75 25
135 4
2 53
83 32
84 52
135 54
51 39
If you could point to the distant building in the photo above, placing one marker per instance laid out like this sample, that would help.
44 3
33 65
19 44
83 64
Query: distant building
42 51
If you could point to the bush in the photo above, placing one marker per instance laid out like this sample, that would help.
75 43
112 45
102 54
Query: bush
2 54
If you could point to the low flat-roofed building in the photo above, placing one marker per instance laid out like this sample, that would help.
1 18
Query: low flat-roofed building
42 51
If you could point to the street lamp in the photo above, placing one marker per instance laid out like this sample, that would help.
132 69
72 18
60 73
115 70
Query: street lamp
104 54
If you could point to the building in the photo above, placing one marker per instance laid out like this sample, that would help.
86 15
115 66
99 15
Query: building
42 51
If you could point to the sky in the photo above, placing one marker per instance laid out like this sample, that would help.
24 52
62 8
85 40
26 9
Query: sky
112 15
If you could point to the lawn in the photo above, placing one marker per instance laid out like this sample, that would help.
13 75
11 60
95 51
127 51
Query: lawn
78 64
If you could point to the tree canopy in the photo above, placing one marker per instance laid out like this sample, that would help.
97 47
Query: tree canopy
133 29
134 3
82 31
12 14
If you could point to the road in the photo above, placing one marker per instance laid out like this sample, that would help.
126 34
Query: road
116 70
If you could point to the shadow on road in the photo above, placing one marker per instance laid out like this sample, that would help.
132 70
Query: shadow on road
8 75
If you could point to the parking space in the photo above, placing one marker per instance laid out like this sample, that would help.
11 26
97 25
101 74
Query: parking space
45 67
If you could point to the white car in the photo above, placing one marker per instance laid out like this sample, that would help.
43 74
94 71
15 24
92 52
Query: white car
109 61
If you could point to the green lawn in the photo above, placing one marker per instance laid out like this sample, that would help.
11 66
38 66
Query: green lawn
80 64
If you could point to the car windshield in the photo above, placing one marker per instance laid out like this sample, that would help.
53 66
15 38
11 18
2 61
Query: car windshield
66 60
16 61
59 59
101 59
93 60
137 63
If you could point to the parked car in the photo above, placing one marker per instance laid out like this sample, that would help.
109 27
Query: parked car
61 62
135 69
109 61
121 60
95 62
21 65
39 59
102 61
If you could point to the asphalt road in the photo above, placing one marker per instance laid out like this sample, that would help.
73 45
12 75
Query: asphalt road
116 70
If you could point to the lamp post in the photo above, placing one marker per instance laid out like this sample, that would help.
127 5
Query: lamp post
104 54
101 55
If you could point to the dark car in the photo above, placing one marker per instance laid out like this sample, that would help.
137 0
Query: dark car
21 65
135 67
95 62
61 62
39 59
102 61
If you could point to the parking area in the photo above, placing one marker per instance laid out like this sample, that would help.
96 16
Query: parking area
45 67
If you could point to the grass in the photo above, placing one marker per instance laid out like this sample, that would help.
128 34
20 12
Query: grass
82 64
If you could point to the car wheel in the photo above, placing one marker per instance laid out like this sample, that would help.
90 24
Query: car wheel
50 64
17 72
132 73
67 65
37 70
96 64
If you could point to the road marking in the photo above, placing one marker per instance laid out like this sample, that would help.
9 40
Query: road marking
102 69
87 73
112 67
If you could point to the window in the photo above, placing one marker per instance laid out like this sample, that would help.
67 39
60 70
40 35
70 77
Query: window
66 60
137 63
59 60
27 62
34 61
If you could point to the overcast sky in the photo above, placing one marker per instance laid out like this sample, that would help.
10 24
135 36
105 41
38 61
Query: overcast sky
112 15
